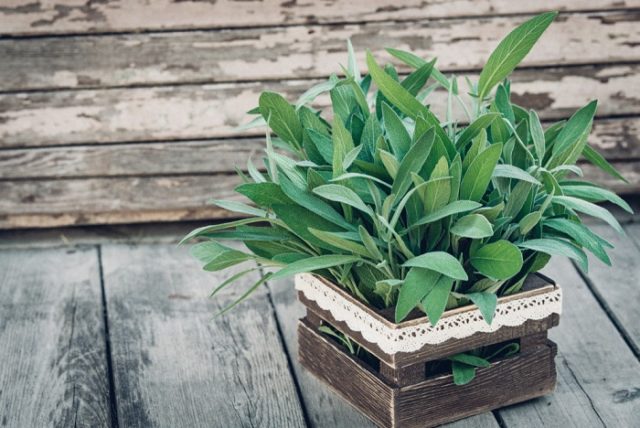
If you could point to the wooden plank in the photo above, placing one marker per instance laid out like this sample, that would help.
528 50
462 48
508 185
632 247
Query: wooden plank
300 51
616 139
617 286
597 372
324 407
188 157
50 203
175 365
23 17
52 343
211 111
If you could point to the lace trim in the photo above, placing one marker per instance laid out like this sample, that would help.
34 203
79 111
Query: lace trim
412 338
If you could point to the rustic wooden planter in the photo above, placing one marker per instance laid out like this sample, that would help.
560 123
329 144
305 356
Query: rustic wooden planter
396 391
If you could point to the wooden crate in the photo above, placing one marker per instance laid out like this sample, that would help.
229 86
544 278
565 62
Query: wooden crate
397 392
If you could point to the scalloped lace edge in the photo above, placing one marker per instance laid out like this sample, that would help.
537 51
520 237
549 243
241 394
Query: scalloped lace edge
412 338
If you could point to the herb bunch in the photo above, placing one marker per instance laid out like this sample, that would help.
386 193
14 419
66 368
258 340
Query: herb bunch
404 210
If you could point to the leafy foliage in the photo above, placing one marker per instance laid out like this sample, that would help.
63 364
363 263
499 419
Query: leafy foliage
406 210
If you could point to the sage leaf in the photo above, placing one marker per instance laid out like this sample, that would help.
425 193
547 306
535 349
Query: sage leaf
473 226
557 247
476 179
498 260
315 263
511 50
281 117
441 262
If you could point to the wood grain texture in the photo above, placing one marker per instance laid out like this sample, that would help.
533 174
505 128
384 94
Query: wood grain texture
597 372
617 286
211 111
81 201
324 407
434 401
52 343
176 366
140 160
301 51
48 203
616 139
24 17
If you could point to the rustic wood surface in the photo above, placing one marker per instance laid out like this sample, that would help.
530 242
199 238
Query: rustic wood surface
173 364
302 51
125 112
52 339
20 17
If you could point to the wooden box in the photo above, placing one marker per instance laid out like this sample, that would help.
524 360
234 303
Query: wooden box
396 391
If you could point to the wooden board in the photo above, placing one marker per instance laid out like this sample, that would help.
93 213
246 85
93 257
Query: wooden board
617 287
20 17
301 51
52 341
132 160
597 372
175 365
616 139
324 407
211 111
48 203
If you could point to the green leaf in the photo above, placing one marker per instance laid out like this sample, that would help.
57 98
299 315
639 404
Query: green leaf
312 93
216 257
595 194
529 221
582 235
401 98
498 260
315 263
342 194
477 177
417 284
246 294
510 171
416 80
282 118
589 209
353 64
557 247
417 62
313 204
370 243
342 144
399 138
473 226
470 360
462 373
575 127
596 158
390 163
441 262
470 132
511 50
537 135
204 230
437 191
412 162
486 302
339 242
452 208
239 207
436 301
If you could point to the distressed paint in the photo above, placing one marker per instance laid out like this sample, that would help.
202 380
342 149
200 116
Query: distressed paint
300 51
24 17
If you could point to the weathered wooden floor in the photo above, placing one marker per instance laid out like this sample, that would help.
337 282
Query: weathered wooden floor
112 326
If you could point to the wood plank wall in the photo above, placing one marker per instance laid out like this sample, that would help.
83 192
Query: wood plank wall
119 112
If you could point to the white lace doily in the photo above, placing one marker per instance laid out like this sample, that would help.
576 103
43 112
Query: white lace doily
393 339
